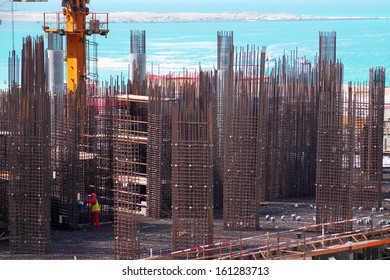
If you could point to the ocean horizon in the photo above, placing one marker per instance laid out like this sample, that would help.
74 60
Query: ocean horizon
362 43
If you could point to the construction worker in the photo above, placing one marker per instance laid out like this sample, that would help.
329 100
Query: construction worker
95 209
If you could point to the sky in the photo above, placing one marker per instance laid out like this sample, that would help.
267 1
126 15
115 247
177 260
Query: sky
303 7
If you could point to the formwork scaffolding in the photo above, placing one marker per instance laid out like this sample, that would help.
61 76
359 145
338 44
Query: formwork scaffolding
225 52
29 155
369 114
192 171
159 150
241 194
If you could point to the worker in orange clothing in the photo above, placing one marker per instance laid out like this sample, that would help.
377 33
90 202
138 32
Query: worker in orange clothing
95 209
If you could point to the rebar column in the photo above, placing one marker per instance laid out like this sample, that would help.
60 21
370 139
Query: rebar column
137 66
289 129
375 134
64 127
159 155
4 173
55 65
13 69
262 133
225 54
192 171
327 48
335 145
102 164
369 102
126 183
241 194
29 155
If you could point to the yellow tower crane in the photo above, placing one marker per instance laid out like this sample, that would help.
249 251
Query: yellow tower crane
76 22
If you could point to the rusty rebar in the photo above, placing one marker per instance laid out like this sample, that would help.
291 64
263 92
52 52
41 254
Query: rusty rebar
192 171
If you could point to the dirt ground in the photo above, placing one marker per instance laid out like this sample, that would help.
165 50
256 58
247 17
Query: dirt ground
89 243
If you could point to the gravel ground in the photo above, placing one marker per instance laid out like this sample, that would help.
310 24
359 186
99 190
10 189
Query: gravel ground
91 244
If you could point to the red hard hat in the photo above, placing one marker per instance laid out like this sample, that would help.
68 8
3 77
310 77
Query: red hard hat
93 194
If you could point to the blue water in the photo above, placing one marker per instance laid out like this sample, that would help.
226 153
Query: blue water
301 7
361 44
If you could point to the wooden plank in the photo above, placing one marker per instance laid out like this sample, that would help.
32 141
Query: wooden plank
133 98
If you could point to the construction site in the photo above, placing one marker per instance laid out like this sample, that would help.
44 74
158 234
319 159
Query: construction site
254 160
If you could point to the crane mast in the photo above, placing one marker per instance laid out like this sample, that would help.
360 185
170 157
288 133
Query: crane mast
73 24
75 14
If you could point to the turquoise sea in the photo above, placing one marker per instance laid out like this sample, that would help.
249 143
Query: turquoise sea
172 47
